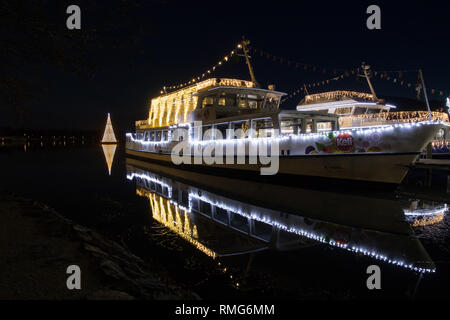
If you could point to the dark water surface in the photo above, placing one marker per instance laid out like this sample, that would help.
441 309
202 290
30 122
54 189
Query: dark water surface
235 239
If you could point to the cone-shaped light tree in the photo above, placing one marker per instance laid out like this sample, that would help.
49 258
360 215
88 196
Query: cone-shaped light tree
108 135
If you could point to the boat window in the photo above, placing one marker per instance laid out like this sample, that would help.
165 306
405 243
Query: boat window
158 136
254 101
158 189
221 215
175 192
289 126
324 126
227 99
194 204
146 136
221 130
242 98
359 110
344 111
262 230
152 136
374 110
263 127
184 199
272 101
165 135
208 101
308 128
222 100
240 129
239 222
208 133
165 191
205 208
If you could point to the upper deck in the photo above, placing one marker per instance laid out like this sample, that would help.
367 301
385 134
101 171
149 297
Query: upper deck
343 103
208 100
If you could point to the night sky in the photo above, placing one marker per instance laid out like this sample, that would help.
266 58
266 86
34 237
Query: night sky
126 51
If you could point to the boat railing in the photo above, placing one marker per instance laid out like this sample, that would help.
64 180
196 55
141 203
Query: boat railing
390 118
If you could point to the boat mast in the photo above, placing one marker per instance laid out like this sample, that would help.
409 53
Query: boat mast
425 94
244 44
366 69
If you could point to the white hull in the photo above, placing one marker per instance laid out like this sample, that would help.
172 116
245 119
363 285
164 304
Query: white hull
375 154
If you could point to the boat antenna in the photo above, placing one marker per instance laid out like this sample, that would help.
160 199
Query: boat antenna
306 90
244 44
425 93
366 69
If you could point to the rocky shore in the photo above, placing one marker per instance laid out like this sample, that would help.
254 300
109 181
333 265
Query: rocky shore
37 245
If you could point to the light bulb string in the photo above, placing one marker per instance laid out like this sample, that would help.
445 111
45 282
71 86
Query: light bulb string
208 72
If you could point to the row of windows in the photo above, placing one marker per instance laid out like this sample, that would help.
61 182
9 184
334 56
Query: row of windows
262 127
241 100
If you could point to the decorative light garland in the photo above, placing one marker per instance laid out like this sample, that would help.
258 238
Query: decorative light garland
258 217
313 236
293 136
208 72
398 79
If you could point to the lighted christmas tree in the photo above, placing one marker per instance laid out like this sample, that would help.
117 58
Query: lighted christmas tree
109 150
108 135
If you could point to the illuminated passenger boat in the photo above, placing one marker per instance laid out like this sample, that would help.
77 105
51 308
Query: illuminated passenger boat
306 144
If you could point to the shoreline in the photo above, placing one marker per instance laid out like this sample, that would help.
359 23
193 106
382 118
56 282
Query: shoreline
38 244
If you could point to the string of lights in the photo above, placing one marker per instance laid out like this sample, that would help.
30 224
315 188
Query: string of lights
295 64
397 78
207 73
320 83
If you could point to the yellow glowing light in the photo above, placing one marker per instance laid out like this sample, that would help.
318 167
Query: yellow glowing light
162 211
426 221
109 150
108 135
334 95
166 109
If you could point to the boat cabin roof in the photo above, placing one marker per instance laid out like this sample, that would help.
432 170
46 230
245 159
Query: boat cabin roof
238 90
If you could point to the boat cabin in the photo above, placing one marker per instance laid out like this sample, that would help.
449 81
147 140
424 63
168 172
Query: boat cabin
344 103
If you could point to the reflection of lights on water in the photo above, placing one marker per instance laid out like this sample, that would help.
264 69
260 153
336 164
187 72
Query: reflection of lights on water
108 150
291 229
425 217
357 249
149 178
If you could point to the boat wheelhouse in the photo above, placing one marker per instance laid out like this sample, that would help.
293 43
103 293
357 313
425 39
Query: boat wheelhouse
351 106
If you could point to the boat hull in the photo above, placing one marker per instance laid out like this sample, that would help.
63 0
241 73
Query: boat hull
383 168
380 155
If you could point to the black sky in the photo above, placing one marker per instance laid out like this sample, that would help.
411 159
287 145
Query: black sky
140 46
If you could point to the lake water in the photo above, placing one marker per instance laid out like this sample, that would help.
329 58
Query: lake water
229 238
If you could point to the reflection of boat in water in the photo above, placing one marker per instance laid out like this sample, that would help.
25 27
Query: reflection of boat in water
220 225
109 150
422 213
